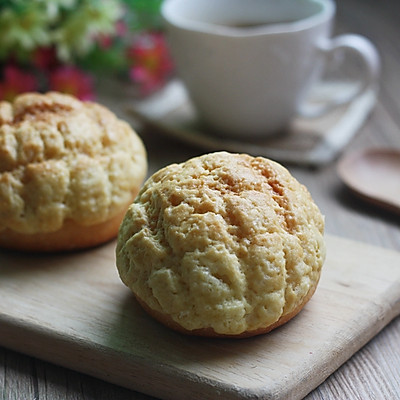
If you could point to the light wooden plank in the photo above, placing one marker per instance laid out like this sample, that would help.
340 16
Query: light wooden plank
73 310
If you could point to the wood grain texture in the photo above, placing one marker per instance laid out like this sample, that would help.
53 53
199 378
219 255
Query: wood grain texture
74 311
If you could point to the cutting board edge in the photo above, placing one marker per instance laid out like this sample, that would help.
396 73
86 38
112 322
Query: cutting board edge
64 344
344 353
58 345
260 389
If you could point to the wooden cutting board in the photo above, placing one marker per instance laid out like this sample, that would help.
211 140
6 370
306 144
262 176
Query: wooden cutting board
73 310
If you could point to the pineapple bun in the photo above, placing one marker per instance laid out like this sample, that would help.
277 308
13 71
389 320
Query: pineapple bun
68 172
222 245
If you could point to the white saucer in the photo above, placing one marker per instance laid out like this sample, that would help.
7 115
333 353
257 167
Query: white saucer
315 141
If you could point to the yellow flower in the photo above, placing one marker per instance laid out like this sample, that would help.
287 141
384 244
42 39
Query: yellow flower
23 30
92 17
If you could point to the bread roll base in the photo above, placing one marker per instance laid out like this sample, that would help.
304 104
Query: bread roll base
209 332
71 236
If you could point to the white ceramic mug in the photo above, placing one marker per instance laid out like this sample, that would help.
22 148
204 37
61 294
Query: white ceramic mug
248 65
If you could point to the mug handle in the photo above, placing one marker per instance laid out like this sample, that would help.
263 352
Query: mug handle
366 52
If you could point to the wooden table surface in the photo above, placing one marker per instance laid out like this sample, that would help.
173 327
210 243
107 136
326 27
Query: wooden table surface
374 371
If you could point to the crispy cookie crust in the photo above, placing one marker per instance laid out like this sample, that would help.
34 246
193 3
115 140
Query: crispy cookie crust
222 245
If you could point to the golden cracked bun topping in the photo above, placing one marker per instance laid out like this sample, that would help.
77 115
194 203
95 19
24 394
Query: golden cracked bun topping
222 245
68 171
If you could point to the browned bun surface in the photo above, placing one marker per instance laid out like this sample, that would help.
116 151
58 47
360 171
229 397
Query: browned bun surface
222 245
68 171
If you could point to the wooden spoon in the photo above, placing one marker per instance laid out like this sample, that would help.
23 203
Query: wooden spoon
374 174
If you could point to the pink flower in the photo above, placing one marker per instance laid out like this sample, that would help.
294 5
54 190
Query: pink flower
151 64
16 81
106 41
121 28
71 80
45 58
